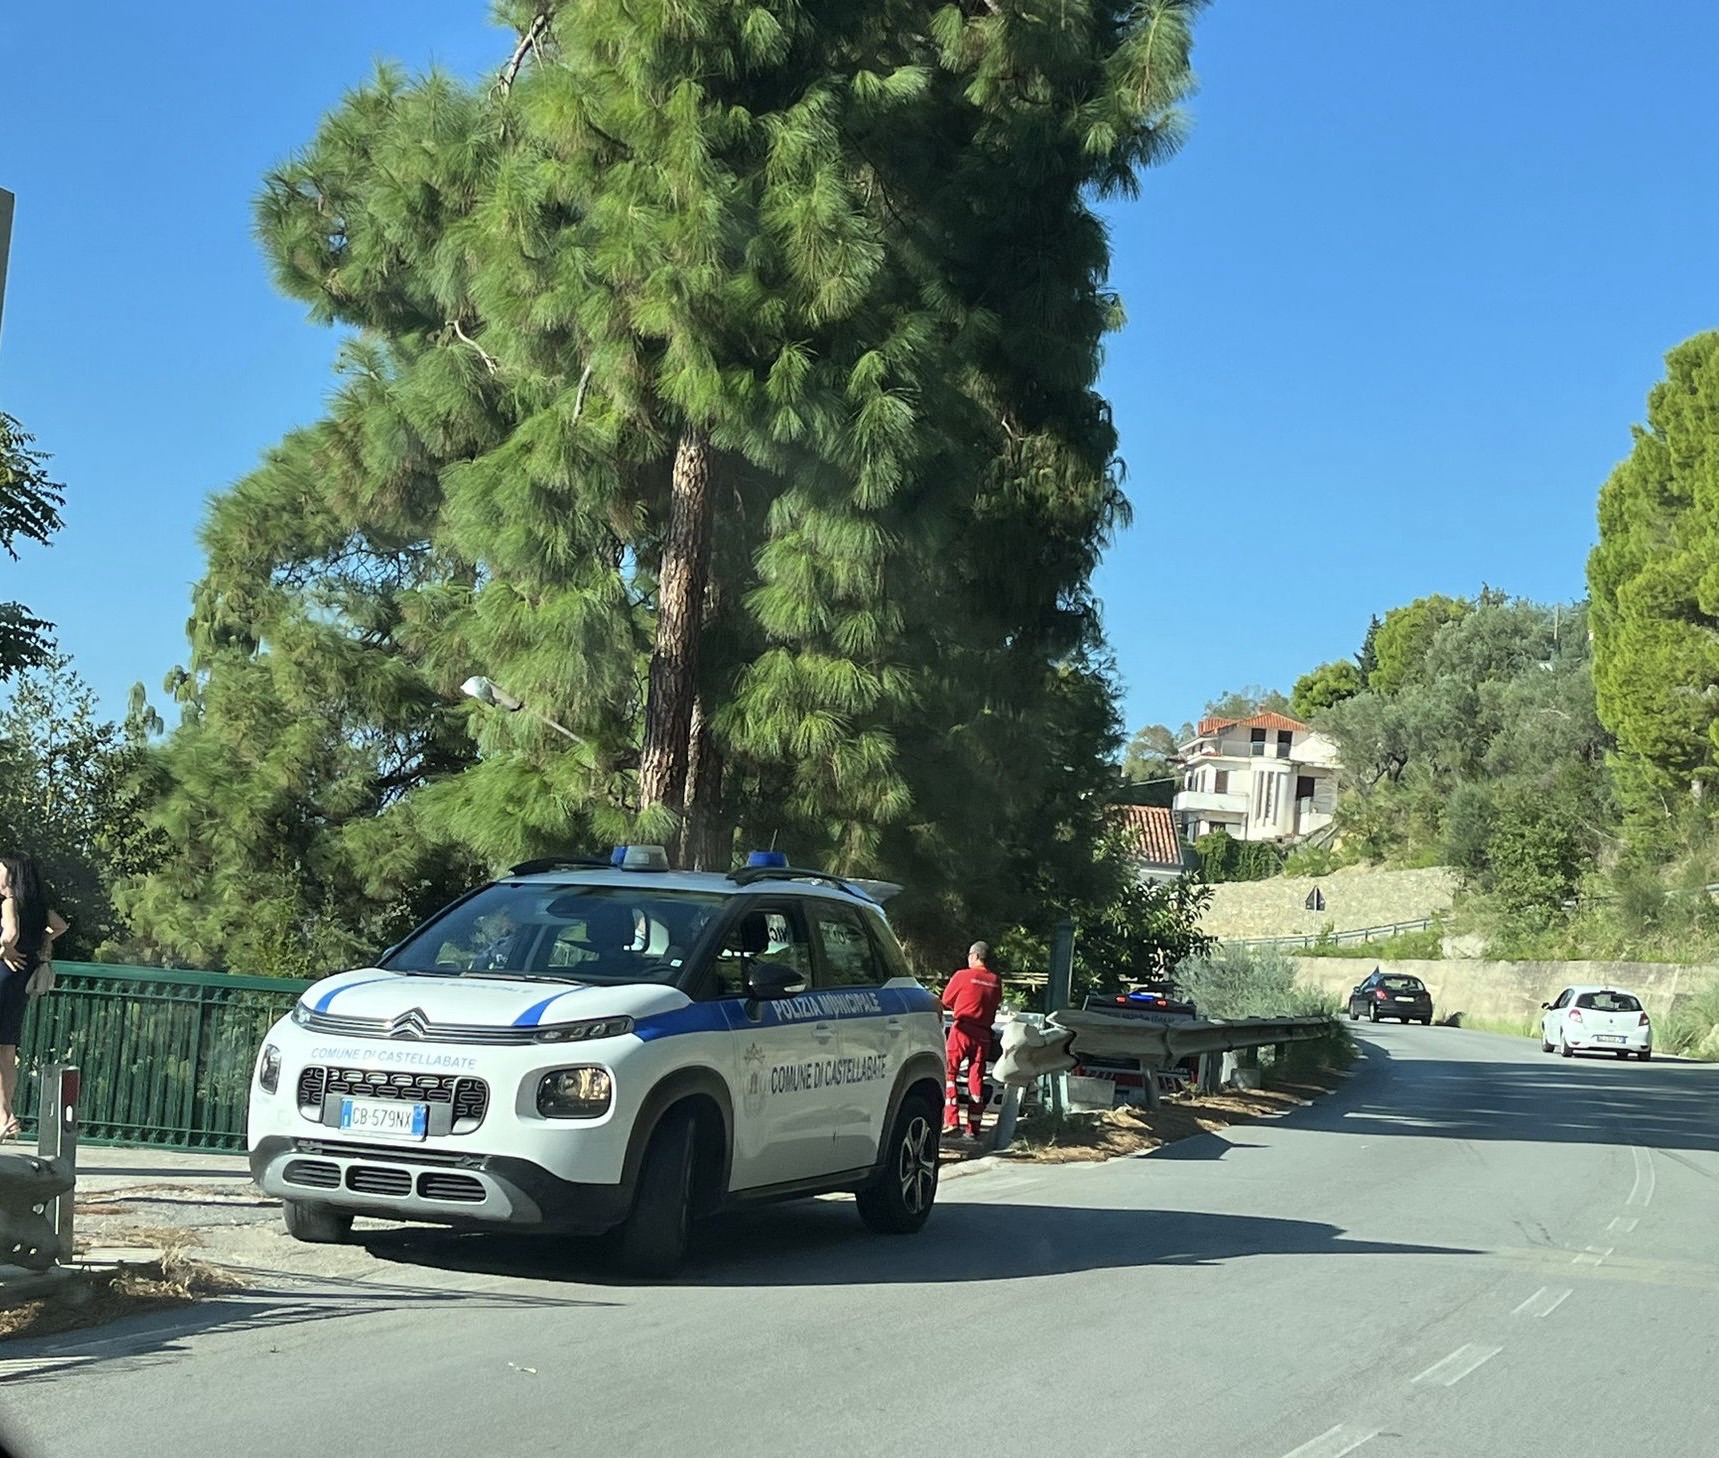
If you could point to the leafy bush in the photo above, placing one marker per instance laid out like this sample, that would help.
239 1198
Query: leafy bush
1241 982
1224 858
1422 945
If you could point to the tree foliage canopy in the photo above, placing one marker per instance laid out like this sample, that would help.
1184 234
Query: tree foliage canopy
29 512
1654 577
721 382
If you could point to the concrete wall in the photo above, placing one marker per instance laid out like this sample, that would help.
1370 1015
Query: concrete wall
1355 897
1511 991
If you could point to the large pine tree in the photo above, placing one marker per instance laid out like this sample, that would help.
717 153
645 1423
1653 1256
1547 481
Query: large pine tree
723 385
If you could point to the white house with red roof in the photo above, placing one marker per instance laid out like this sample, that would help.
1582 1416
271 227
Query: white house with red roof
1265 777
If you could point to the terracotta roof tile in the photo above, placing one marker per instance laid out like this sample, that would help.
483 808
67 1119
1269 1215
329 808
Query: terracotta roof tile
1149 832
1258 721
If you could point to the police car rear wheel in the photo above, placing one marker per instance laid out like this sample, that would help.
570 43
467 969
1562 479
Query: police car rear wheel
900 1202
315 1224
653 1241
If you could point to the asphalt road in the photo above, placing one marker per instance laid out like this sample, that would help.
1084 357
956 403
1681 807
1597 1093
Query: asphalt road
1471 1249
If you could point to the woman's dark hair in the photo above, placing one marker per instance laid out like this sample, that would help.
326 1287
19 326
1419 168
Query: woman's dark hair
25 879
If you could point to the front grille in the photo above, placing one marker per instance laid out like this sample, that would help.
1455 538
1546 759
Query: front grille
420 1028
465 1097
462 1188
318 1173
371 1179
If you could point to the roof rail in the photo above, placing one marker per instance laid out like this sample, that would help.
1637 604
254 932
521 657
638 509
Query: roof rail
747 875
559 863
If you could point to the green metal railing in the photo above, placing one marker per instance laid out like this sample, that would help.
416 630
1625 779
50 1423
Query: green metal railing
166 1055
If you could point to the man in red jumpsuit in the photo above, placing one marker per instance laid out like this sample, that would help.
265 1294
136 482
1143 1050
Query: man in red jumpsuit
973 996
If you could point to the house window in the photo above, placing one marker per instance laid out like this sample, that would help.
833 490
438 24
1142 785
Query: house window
1221 782
1304 787
1285 738
1256 742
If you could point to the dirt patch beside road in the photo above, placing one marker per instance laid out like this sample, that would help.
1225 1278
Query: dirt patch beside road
84 1298
1126 1131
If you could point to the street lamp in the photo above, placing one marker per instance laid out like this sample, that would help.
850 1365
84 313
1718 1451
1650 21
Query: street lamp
486 691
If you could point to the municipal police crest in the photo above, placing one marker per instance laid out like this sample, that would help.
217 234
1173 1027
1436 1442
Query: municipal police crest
752 1082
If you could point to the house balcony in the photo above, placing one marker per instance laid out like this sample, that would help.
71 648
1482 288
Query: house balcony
1209 802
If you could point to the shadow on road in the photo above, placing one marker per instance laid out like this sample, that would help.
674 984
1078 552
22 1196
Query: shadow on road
267 1305
821 1243
1410 1090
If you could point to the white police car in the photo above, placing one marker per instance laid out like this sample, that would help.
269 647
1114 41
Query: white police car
587 1046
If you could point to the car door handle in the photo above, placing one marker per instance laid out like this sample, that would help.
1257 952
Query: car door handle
893 1025
824 1032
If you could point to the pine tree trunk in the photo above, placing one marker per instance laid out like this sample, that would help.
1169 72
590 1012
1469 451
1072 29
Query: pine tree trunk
680 614
709 839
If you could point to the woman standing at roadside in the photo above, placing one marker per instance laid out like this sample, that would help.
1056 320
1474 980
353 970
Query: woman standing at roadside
28 927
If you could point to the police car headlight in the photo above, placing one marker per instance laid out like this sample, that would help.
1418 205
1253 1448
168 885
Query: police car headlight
269 1068
300 1014
585 1031
575 1093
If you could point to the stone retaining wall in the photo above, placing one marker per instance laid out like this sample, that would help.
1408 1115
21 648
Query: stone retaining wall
1355 897
1512 991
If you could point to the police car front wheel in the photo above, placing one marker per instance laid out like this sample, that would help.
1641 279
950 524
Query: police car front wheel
899 1201
654 1239
315 1224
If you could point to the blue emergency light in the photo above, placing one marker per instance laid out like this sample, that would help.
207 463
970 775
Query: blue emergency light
774 859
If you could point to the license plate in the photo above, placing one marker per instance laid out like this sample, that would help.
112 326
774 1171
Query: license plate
381 1116
1401 998
1607 1038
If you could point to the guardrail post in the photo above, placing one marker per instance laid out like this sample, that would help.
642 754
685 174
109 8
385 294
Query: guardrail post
1059 993
57 1139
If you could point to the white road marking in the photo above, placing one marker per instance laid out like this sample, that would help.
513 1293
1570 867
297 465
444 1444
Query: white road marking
1334 1443
1623 1224
1641 1193
1543 1302
1458 1364
1412 1121
1592 1256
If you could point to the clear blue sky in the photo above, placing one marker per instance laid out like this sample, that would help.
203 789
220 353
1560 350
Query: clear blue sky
1392 310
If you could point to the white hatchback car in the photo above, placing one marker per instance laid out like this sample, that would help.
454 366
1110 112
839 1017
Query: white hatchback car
1596 1020
586 1046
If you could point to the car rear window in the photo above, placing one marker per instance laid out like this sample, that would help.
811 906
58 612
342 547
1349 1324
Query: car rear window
1405 984
1609 1002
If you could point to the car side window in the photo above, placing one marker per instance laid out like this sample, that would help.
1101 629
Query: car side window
785 944
1563 999
849 957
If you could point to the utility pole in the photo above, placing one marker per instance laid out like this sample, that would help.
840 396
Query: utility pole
6 201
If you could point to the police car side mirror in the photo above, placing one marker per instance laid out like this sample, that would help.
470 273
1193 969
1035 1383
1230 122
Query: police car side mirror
766 981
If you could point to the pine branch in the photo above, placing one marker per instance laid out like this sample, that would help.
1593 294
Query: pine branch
483 354
527 42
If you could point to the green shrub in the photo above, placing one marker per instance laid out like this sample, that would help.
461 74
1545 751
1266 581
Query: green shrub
1224 858
1241 982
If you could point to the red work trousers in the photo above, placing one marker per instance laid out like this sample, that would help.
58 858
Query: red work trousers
969 1045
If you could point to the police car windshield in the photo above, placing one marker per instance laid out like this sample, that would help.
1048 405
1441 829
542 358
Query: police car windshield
562 933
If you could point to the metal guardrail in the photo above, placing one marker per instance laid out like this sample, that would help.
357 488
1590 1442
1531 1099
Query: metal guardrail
1031 1053
38 1191
166 1054
1336 938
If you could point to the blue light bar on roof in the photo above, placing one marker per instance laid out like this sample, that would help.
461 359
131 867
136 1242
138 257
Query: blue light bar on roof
767 858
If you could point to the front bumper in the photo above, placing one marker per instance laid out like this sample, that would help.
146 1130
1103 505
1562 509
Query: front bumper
485 1190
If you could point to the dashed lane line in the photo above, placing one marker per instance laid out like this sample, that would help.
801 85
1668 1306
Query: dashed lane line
1464 1360
1623 1224
1641 1192
1543 1302
1592 1256
1334 1442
